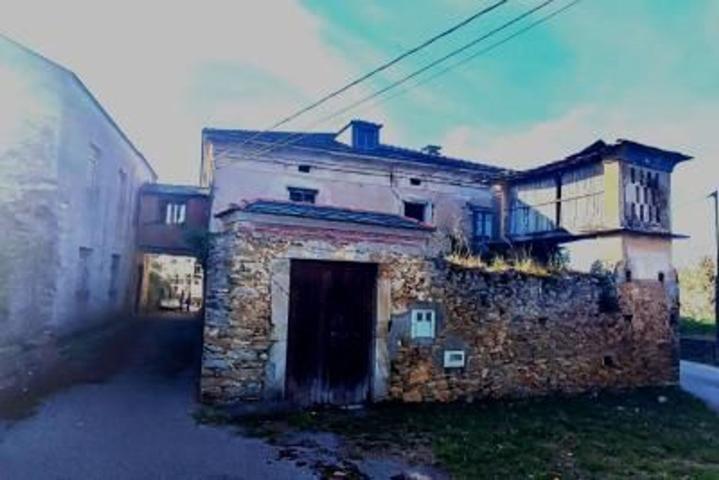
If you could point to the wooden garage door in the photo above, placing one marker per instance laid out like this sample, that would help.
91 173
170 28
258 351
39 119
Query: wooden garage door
331 320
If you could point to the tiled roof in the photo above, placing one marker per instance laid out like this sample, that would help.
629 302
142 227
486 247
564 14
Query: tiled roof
328 142
331 214
629 150
175 189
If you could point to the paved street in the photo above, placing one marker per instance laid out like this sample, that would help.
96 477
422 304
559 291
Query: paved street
136 425
702 381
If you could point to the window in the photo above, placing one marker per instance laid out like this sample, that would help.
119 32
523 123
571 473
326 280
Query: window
304 195
304 168
84 260
483 224
423 323
93 167
415 182
416 210
175 213
121 198
114 274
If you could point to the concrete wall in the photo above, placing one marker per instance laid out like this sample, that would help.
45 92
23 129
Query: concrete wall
30 126
53 203
97 213
345 181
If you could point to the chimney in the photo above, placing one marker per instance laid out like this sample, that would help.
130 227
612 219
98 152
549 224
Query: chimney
365 135
432 150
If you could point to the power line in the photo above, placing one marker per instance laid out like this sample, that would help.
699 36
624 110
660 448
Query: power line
379 69
294 138
484 51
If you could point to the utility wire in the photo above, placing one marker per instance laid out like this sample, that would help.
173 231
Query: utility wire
294 138
379 69
481 52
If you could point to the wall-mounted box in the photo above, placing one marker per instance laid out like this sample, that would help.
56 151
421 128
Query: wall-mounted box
454 359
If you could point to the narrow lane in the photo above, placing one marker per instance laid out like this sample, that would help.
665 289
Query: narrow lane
702 381
137 423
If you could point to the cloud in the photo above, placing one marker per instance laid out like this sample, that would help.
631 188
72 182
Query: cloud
166 69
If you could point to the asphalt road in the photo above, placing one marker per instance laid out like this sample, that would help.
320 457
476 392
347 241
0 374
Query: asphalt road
701 381
136 424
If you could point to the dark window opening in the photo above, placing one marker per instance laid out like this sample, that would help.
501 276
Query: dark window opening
656 211
483 224
641 213
631 171
608 361
415 210
304 168
628 275
558 205
415 181
304 195
639 194
660 277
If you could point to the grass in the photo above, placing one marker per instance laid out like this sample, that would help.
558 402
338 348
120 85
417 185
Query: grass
697 326
519 262
646 434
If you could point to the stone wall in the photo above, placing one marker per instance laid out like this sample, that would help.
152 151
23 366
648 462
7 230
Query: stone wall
522 335
525 335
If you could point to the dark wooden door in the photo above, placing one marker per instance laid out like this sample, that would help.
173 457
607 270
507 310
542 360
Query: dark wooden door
331 320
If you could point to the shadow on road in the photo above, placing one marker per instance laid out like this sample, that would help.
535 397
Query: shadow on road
164 345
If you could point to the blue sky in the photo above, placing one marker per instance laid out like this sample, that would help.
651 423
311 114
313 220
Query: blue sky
641 69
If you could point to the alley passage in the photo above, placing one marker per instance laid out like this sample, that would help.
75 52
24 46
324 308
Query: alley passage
134 420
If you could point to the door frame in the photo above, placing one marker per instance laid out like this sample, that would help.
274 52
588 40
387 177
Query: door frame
275 370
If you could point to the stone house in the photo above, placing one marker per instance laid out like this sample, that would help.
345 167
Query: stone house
328 282
69 194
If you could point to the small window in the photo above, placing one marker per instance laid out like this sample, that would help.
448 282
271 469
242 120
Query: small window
93 167
633 174
304 195
483 224
84 271
660 277
423 323
416 210
304 168
114 275
175 213
415 181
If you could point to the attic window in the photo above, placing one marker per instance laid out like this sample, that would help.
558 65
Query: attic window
415 181
304 168
304 195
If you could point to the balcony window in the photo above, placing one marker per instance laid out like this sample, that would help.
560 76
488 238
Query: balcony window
483 225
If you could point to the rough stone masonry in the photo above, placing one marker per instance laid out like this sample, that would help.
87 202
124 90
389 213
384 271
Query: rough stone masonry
521 334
